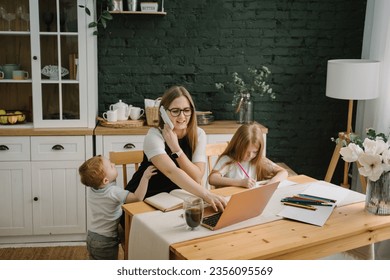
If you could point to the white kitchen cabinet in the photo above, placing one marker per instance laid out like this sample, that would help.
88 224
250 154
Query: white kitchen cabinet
15 198
54 35
42 196
59 205
15 186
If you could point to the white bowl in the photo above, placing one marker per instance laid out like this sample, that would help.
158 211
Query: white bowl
51 71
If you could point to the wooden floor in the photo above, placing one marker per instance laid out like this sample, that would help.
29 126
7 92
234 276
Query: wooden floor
48 253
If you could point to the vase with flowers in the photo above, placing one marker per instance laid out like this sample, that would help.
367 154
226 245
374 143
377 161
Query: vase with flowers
373 157
245 89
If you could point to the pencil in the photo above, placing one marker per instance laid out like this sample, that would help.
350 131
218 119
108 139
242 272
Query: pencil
317 197
243 170
306 202
308 207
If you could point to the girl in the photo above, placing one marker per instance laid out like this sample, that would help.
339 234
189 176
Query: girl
179 154
242 163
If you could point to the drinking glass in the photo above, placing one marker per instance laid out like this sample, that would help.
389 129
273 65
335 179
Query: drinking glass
193 212
9 17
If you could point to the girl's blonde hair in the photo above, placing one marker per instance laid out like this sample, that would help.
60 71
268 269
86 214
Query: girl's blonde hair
246 134
166 100
92 172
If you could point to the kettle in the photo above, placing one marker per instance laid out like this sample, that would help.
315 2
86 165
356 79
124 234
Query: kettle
123 110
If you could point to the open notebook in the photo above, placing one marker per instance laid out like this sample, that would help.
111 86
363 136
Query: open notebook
168 201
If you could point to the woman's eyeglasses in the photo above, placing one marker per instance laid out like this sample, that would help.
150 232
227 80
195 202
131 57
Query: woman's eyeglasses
175 112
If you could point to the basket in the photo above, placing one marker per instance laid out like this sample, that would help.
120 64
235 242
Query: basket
121 124
152 114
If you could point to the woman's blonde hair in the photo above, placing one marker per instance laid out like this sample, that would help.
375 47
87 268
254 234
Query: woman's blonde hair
246 134
166 100
92 172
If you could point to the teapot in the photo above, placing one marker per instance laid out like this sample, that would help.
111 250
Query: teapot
123 110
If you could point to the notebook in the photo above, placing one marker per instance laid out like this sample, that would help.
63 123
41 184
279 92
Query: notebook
241 206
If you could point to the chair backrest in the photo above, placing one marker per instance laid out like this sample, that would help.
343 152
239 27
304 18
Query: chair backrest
213 150
125 158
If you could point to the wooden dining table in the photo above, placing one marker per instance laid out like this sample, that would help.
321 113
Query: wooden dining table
347 228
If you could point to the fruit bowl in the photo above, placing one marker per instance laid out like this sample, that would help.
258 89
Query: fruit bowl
12 117
51 71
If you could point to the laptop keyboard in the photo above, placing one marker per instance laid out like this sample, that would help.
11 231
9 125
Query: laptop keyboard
212 220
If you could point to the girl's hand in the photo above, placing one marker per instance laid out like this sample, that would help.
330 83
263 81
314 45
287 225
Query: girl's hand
150 171
248 183
216 201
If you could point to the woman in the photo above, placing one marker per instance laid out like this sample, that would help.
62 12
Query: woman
178 153
242 163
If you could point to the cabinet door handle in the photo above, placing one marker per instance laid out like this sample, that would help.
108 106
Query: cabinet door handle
35 57
129 146
35 198
3 148
58 147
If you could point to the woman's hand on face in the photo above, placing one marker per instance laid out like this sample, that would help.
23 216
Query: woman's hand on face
248 183
216 201
171 138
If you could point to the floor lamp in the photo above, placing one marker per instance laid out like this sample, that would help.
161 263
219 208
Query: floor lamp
350 79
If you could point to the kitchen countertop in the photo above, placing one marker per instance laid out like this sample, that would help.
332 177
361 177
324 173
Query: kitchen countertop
26 130
216 127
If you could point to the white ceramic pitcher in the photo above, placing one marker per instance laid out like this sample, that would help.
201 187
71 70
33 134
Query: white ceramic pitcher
123 110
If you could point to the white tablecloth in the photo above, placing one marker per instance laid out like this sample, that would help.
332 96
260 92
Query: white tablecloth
153 232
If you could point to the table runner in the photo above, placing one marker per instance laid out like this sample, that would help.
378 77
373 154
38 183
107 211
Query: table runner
153 232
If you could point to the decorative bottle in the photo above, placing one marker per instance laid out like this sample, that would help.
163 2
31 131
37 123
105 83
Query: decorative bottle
245 109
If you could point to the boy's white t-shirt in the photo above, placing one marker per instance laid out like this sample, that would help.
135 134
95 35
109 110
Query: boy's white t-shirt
105 208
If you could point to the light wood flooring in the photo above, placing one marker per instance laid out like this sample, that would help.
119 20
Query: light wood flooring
48 253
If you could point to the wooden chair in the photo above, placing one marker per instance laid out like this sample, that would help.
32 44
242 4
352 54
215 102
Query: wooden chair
213 150
123 159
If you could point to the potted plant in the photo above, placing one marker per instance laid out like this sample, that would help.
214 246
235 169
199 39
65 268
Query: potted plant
254 83
103 15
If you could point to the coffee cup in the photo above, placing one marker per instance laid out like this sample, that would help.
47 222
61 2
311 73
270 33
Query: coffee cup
8 70
20 75
136 113
111 115
1 75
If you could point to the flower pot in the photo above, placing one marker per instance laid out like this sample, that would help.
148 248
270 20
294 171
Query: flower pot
378 195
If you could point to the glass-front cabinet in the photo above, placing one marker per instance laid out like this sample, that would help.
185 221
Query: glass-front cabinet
48 63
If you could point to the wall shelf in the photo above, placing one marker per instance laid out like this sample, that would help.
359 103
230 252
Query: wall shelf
138 13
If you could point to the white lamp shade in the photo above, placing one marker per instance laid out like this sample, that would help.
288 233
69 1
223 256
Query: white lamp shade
352 79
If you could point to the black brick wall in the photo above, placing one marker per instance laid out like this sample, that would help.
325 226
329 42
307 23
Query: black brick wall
202 42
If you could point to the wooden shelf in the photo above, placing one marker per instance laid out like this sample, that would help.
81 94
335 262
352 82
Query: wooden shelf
138 13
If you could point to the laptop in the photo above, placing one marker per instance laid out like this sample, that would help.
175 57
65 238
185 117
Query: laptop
241 206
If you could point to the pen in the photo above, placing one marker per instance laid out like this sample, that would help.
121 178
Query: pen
309 207
317 197
306 198
306 202
243 170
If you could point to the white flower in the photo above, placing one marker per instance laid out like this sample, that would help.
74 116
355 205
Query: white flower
351 152
373 154
371 166
375 147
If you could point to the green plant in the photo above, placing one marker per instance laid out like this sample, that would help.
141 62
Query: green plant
103 17
256 84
